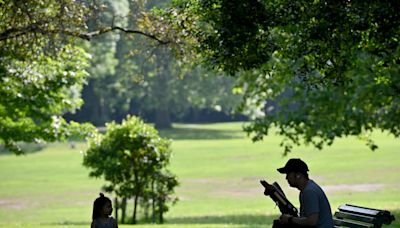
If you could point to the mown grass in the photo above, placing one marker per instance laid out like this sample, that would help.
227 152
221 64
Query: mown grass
218 168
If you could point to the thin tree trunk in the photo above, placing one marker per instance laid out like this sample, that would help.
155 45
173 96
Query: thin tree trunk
116 206
161 219
163 120
137 192
123 209
153 204
135 202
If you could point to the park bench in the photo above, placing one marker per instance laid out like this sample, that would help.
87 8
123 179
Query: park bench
361 217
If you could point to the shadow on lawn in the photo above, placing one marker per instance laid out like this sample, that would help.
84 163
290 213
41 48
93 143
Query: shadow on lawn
251 220
27 148
196 133
67 223
243 220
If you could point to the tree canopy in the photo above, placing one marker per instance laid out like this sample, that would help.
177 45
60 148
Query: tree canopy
316 70
43 65
41 71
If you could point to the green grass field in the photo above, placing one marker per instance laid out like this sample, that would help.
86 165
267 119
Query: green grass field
219 169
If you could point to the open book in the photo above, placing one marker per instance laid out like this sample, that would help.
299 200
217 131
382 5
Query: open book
275 192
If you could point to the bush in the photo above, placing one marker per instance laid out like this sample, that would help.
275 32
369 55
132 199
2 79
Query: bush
133 159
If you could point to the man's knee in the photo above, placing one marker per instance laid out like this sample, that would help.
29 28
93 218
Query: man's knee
278 224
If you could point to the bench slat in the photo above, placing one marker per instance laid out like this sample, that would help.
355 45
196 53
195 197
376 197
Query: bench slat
351 224
360 210
357 217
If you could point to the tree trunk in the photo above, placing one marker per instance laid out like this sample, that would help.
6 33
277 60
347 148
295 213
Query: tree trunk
162 94
161 211
123 210
116 207
153 204
163 120
135 202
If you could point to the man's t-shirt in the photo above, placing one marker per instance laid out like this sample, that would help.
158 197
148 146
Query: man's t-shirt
313 200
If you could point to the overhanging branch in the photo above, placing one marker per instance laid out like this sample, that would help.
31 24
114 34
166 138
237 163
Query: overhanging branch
38 28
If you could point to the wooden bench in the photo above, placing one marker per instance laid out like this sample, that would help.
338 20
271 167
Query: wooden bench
361 217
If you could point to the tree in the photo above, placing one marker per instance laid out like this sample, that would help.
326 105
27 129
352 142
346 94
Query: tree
331 66
165 85
167 88
97 93
133 159
41 73
139 76
43 66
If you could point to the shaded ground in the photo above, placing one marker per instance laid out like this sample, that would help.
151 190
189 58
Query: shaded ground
249 220
204 131
196 133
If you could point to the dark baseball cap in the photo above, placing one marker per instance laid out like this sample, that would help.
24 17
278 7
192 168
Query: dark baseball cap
294 165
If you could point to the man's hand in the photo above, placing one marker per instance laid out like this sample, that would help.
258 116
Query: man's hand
284 219
268 188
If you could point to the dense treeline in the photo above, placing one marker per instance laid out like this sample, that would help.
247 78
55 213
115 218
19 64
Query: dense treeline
137 76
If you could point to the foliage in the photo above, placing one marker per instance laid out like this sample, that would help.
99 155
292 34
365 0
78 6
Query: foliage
43 65
177 84
133 159
330 67
165 86
42 71
139 76
35 93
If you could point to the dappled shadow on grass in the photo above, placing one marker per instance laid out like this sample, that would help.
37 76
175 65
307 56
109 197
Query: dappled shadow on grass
27 148
196 133
245 220
242 220
396 222
250 220
67 223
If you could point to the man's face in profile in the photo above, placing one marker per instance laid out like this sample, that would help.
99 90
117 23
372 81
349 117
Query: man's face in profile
291 179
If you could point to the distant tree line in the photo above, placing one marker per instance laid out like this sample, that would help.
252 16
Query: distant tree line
139 77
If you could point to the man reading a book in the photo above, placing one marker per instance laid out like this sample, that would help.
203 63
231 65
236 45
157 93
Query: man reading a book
315 210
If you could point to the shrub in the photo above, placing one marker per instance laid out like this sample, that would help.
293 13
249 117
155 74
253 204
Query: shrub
133 159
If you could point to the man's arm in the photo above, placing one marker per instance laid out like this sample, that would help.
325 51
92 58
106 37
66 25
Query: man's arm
310 220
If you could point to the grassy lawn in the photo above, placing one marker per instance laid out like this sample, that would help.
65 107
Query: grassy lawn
219 169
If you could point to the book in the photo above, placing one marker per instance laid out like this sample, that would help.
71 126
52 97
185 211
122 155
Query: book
274 191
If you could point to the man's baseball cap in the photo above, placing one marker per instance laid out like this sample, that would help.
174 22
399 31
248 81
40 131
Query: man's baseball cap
294 165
